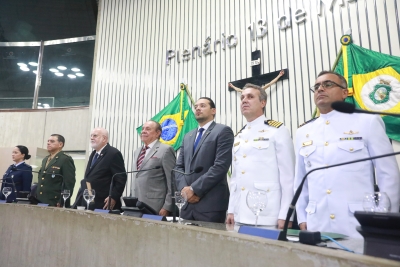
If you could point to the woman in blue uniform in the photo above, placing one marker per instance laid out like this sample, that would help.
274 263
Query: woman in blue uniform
20 172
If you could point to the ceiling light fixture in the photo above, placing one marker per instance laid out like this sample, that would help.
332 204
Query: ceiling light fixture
59 74
53 70
75 69
80 74
34 64
22 65
71 76
61 68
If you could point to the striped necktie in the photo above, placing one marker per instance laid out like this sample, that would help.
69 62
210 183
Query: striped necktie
141 156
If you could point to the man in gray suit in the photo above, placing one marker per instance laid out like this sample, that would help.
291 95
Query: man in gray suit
154 187
209 146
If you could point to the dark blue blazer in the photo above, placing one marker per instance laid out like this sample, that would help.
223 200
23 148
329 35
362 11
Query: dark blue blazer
22 180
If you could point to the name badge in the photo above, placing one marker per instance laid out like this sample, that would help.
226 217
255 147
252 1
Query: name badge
350 138
307 143
261 139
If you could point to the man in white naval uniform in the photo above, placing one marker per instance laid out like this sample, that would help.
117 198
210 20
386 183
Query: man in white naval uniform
330 197
263 159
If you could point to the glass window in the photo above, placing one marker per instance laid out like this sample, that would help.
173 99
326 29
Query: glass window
67 74
17 76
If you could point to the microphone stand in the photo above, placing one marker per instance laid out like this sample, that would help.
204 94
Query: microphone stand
283 233
52 176
173 195
118 173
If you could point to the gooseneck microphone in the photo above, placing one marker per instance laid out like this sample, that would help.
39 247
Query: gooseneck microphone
345 107
196 170
53 175
118 173
283 233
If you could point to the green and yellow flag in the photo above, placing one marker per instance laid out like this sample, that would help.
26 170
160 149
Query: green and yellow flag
176 119
373 81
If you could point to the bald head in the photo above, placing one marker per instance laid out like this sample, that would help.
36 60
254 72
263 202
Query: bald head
98 138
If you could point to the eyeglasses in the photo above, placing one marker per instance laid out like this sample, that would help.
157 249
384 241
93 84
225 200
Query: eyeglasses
326 85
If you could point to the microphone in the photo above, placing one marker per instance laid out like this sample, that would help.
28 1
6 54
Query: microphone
118 173
283 233
345 107
53 175
196 170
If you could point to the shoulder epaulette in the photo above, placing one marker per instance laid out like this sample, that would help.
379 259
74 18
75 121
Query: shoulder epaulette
273 123
241 130
301 125
67 154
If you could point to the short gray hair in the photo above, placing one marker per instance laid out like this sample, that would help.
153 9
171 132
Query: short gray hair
263 94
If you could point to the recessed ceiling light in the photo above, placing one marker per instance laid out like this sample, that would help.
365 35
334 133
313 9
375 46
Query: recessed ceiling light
24 68
80 74
22 65
61 68
59 74
75 69
71 76
35 71
53 70
33 64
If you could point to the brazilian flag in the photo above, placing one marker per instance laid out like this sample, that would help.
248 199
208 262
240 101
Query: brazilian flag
373 81
176 119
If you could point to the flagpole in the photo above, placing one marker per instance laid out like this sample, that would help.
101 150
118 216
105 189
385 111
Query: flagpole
190 95
337 58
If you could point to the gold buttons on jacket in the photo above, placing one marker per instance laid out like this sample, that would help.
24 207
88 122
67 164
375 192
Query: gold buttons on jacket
42 178
55 196
243 172
307 135
327 122
41 186
351 149
328 191
243 188
41 192
246 141
44 172
244 156
332 216
326 143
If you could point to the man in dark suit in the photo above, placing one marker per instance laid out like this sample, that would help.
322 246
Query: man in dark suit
208 146
154 187
56 173
104 162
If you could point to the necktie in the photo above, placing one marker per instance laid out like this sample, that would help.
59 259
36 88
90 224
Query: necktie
96 156
141 156
198 139
48 161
